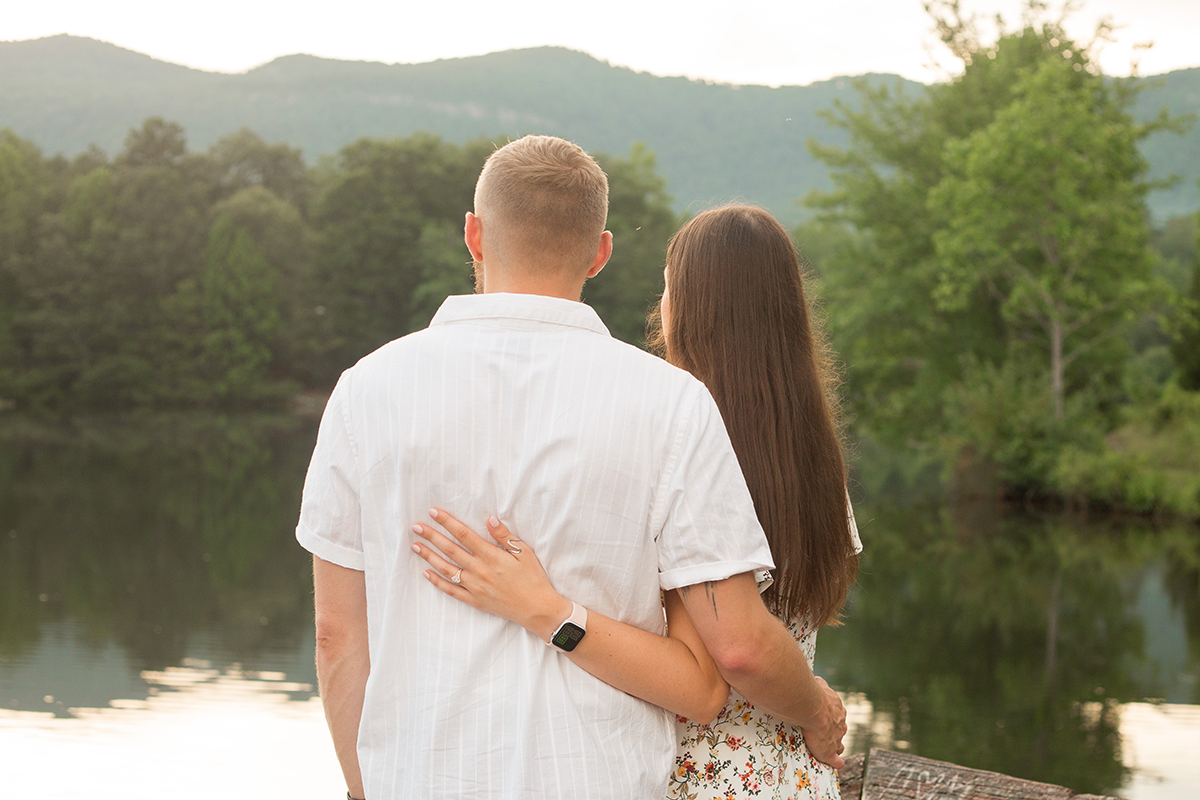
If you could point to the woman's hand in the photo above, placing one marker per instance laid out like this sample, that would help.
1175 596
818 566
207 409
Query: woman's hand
506 580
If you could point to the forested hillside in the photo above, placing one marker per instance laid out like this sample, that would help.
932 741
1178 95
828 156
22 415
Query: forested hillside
713 142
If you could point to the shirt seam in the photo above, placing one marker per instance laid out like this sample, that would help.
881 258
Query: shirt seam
660 513
347 422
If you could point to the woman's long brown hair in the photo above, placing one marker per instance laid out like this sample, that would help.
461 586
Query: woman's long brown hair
738 319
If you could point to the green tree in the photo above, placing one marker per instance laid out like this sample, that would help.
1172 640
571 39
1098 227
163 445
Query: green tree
165 277
123 238
642 222
371 213
23 185
1186 347
390 215
1045 207
1175 243
994 238
287 242
224 324
444 270
243 160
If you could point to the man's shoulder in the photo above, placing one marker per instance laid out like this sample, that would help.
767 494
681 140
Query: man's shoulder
381 356
637 357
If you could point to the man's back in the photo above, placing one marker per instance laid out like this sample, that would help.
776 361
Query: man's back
523 407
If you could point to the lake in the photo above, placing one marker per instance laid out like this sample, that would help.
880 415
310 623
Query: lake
156 623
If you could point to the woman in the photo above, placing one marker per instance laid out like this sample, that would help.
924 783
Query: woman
734 314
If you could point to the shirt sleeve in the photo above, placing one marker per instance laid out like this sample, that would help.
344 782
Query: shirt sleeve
710 530
330 524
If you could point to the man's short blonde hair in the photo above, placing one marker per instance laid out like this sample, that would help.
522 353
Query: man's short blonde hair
543 203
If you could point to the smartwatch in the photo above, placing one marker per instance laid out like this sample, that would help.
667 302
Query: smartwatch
570 633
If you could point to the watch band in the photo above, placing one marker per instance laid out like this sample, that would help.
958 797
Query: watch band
571 632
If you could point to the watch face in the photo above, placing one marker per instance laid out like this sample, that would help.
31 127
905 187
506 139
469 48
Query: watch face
567 636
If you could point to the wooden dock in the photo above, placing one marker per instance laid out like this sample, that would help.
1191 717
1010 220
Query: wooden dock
888 775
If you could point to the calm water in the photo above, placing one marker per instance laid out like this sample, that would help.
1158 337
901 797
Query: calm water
156 624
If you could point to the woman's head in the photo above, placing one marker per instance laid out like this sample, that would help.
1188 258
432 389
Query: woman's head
725 268
735 315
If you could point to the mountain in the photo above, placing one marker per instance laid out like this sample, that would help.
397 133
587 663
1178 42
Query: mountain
714 142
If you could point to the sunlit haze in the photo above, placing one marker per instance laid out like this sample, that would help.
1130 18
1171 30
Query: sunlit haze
770 42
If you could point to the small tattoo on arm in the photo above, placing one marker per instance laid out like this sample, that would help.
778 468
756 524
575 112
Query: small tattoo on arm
712 597
708 592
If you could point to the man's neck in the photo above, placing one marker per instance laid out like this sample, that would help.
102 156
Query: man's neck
512 284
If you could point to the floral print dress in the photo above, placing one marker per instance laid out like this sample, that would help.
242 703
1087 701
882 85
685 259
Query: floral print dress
745 752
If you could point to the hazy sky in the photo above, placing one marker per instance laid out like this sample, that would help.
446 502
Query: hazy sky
736 41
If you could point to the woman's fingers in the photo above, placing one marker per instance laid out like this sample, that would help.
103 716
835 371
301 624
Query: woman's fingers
502 536
454 590
512 585
444 567
450 547
464 535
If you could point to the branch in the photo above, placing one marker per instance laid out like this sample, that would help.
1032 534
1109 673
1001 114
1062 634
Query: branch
1047 298
1091 314
1087 345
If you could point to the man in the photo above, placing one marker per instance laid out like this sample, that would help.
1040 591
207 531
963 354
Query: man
612 464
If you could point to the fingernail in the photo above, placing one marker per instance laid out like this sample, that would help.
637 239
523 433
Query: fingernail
433 513
417 529
416 548
493 522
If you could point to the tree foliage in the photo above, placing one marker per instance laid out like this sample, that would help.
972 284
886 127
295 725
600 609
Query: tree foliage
1044 207
1186 347
995 246
164 277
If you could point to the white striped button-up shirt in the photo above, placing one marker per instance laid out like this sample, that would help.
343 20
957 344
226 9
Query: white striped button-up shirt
612 464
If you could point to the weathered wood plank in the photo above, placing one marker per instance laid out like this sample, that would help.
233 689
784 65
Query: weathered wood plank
898 776
850 777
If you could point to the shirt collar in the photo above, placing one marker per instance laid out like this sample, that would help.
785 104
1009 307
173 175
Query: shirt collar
524 307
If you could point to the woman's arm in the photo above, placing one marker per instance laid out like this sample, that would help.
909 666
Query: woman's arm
674 671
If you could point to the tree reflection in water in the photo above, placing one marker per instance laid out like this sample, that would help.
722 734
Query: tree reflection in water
147 529
1007 642
1003 642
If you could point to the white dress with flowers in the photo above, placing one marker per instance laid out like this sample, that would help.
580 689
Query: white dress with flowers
745 752
748 753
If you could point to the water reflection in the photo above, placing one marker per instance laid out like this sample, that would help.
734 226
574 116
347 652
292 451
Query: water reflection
1009 642
149 531
150 585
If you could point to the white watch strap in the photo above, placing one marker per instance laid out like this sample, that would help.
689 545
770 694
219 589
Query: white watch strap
578 617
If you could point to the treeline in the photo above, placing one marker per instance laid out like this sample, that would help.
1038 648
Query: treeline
231 278
995 287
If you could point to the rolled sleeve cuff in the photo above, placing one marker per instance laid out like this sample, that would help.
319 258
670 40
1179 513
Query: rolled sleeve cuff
328 551
701 573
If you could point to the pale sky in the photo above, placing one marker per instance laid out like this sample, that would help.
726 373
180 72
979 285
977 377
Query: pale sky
770 42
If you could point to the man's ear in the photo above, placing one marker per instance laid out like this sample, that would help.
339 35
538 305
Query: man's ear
473 236
602 254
